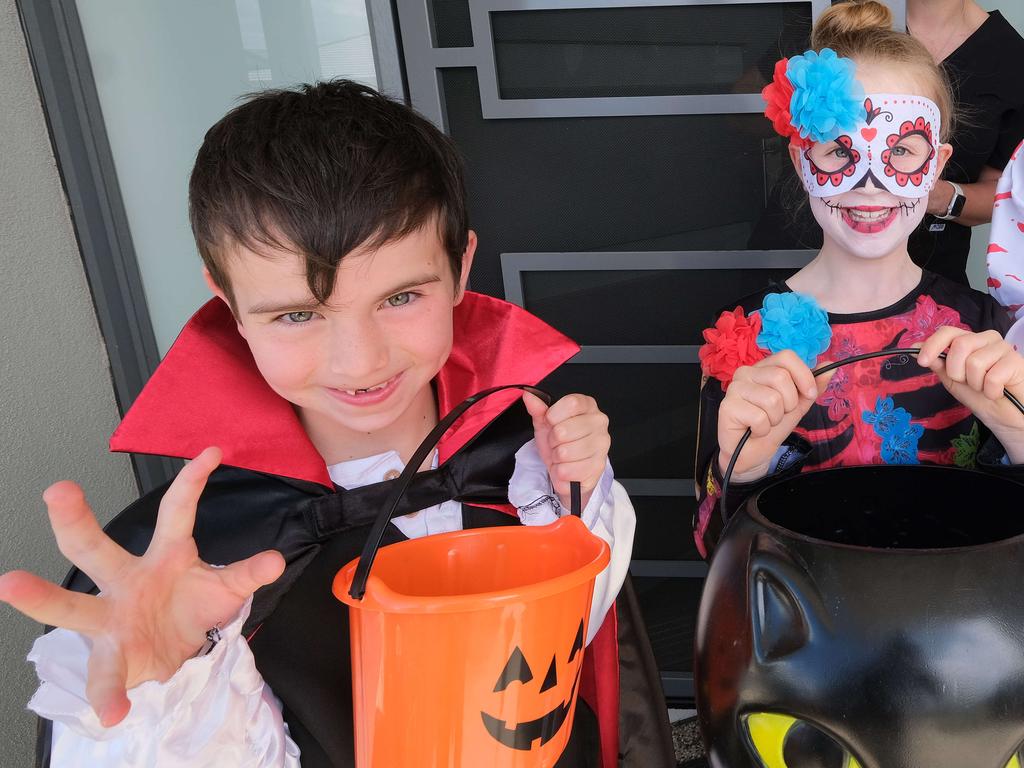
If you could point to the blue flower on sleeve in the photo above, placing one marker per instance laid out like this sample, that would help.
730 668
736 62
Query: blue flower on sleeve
887 419
796 322
827 98
901 447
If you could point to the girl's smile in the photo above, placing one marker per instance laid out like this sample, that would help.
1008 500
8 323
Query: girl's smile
870 219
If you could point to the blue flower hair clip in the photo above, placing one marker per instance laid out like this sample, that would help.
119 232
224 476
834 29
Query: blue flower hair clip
796 322
824 96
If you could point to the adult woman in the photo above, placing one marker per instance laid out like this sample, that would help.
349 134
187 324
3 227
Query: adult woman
983 55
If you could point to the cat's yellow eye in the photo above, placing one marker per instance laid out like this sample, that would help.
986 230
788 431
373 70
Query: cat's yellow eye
783 741
1014 761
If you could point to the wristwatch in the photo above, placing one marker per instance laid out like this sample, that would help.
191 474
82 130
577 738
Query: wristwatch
956 202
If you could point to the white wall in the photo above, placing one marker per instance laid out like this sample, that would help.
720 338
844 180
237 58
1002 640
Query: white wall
56 396
1013 10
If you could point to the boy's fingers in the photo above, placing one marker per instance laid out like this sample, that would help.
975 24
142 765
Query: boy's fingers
585 448
579 427
570 406
106 687
582 472
246 576
536 408
177 515
79 537
49 604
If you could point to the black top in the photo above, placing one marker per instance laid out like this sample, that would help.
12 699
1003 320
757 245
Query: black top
989 92
985 72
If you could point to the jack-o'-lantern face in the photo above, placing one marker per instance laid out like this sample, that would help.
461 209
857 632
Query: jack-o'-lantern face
546 686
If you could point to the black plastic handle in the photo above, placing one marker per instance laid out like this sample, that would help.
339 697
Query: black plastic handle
825 369
405 479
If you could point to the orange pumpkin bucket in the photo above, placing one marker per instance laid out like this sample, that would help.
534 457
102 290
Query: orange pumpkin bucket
467 647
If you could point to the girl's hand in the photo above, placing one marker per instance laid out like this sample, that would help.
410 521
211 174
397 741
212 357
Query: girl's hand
154 610
573 441
769 397
977 368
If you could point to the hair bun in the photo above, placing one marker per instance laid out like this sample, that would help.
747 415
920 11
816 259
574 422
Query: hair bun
849 18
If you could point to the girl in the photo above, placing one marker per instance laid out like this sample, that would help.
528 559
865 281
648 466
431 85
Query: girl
867 113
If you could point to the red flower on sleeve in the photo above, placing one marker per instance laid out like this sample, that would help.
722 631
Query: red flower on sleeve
730 344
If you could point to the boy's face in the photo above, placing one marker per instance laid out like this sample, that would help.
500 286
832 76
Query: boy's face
359 367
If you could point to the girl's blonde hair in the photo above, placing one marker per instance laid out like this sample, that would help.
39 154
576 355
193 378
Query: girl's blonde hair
862 29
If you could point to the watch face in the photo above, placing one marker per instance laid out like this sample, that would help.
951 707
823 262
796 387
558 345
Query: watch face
958 205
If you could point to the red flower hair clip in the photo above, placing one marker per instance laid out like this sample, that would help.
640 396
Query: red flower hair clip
777 95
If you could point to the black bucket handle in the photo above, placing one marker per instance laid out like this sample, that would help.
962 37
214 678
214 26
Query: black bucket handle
369 554
825 369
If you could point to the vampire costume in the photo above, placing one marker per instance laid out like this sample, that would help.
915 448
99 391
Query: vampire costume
275 492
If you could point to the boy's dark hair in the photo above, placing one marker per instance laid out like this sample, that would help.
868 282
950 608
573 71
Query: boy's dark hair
320 171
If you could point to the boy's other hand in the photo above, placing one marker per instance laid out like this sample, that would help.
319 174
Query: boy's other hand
977 368
154 611
572 438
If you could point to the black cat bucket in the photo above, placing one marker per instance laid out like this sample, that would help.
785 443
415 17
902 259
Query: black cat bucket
868 617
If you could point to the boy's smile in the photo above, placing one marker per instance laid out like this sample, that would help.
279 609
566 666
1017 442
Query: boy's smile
359 367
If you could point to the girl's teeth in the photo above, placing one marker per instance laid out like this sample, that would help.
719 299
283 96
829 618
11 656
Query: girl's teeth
867 215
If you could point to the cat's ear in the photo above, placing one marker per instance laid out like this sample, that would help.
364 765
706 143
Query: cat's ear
786 609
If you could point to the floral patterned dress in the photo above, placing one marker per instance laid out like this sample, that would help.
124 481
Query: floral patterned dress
887 410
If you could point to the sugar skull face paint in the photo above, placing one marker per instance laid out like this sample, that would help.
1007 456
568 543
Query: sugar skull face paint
894 146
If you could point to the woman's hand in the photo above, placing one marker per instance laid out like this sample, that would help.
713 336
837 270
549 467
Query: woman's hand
977 368
154 611
769 397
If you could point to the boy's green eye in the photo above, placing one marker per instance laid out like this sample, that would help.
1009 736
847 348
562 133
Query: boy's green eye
299 317
399 299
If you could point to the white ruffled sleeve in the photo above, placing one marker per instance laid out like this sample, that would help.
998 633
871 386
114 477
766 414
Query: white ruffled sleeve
215 711
1006 246
609 514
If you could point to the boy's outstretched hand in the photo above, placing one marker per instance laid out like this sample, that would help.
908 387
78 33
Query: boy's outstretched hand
572 438
154 610
977 368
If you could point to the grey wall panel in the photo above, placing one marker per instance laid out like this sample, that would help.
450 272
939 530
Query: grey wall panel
57 405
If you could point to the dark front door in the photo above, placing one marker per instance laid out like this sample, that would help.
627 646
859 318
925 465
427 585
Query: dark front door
618 164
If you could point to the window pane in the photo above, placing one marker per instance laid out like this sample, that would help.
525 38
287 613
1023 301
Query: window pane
630 183
653 413
452 26
664 528
165 72
663 306
645 51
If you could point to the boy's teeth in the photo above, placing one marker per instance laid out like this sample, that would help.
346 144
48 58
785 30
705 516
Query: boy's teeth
374 388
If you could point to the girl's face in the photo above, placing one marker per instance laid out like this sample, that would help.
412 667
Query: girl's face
882 172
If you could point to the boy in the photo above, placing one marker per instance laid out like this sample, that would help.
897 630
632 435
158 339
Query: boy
332 226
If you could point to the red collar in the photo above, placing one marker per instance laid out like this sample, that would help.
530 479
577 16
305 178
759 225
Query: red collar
208 391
